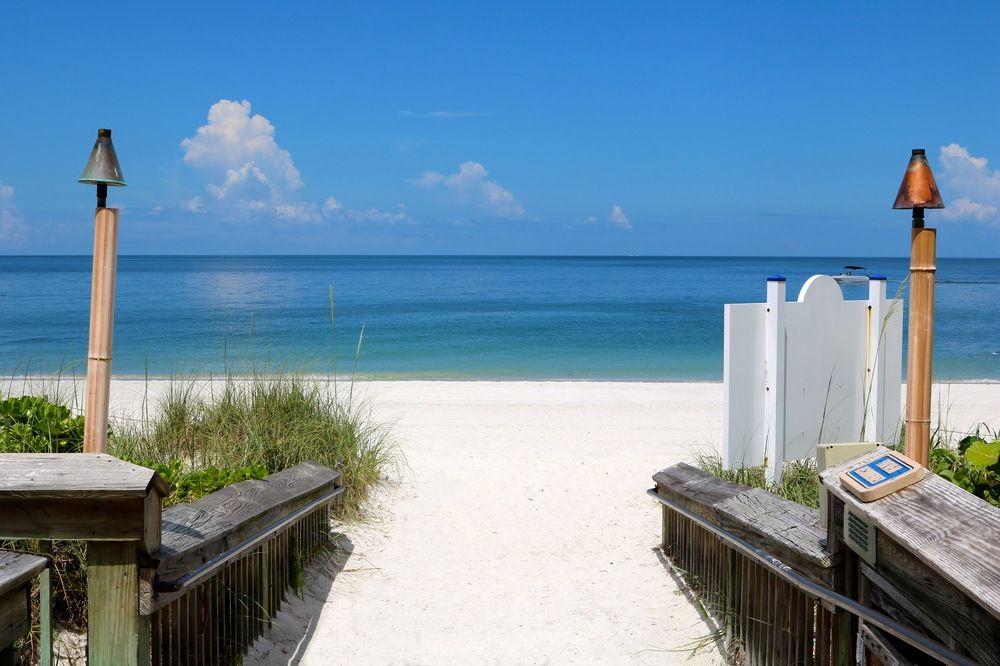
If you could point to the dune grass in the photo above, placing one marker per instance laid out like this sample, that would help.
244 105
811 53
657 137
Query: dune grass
272 421
799 480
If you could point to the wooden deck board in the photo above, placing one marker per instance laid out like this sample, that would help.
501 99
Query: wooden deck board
74 476
16 569
196 532
954 532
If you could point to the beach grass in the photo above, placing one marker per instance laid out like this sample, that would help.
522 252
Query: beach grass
273 421
799 480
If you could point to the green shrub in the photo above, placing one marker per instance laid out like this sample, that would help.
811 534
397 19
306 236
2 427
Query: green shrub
974 465
32 424
190 485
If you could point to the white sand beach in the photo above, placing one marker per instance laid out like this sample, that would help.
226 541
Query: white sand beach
517 529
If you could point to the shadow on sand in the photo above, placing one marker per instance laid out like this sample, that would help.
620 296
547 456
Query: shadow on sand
716 634
293 627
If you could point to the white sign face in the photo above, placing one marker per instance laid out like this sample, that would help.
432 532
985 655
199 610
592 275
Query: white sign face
813 371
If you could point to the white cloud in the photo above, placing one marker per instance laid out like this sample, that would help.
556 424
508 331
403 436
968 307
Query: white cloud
471 184
194 205
966 207
333 209
298 212
248 172
975 183
233 138
250 176
12 227
331 205
619 219
591 219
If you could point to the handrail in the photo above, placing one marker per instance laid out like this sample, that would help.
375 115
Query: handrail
792 577
44 576
193 577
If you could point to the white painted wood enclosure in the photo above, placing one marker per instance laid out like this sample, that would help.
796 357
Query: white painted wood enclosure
821 369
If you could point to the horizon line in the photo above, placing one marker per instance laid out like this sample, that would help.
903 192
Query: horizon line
504 256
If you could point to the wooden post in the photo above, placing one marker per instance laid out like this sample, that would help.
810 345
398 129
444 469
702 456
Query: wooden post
45 607
921 344
112 603
102 317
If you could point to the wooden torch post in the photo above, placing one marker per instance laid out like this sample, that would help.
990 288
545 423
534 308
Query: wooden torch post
921 341
102 319
917 192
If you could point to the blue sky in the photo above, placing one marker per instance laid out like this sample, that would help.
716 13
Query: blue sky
521 128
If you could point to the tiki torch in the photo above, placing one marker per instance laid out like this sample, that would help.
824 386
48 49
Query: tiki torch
917 192
102 170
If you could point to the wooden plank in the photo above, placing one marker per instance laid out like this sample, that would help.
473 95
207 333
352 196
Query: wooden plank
16 569
952 531
45 609
877 646
695 489
15 615
74 476
787 530
112 603
111 519
194 533
964 622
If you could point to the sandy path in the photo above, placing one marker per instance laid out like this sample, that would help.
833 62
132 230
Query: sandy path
520 533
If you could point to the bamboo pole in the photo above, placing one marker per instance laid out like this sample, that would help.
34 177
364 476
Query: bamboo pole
102 317
921 344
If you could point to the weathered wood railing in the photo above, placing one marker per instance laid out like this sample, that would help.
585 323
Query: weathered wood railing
783 589
195 584
227 561
933 565
760 615
17 571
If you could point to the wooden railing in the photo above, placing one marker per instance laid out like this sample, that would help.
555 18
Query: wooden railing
932 564
193 584
17 571
760 617
227 561
783 589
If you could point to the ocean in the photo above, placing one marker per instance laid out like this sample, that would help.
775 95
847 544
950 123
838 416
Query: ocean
444 317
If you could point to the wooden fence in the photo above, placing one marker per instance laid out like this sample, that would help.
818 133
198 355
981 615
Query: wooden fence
919 585
193 584
227 561
217 620
17 571
760 617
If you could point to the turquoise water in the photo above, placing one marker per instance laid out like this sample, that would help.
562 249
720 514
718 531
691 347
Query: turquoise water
632 318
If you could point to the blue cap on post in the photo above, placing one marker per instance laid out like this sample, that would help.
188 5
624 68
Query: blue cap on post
776 278
878 277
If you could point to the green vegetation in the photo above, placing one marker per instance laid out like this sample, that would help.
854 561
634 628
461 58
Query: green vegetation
201 442
190 485
799 482
32 424
246 426
973 464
